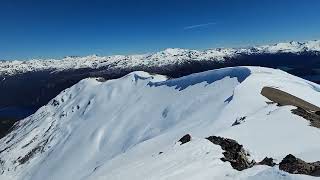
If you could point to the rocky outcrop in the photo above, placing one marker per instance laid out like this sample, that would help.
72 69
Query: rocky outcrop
186 138
314 118
304 109
239 121
267 161
238 157
284 98
294 165
234 152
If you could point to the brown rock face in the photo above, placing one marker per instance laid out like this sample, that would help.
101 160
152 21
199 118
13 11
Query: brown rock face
284 98
304 109
267 161
313 118
234 152
294 165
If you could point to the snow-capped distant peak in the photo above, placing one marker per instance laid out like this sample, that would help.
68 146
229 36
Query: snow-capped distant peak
292 46
173 51
166 57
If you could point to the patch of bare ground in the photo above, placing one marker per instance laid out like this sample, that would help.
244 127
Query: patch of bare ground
310 116
304 109
284 98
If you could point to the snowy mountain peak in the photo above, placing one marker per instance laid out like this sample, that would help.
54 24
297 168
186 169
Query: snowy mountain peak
313 45
128 128
293 46
174 51
90 57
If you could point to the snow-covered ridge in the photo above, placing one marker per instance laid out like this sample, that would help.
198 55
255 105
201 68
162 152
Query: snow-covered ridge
162 58
116 129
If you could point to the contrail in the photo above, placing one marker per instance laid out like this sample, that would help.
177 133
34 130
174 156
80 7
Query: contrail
199 25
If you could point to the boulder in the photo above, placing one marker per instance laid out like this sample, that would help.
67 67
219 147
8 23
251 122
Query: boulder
294 165
186 138
267 161
234 152
313 118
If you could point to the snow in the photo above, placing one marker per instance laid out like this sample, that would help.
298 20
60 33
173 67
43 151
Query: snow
178 162
167 57
116 129
292 46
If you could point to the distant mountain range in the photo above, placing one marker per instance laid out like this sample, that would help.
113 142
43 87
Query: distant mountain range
163 58
27 85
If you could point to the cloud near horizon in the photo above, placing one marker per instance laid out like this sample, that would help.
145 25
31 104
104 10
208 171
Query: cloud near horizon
199 25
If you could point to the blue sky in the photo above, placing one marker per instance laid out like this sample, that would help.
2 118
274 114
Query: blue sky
58 28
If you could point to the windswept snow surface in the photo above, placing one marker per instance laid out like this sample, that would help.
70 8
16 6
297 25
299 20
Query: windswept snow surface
167 57
117 129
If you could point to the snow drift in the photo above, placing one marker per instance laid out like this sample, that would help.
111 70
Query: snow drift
44 79
127 128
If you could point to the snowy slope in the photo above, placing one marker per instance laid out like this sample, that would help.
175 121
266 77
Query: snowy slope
167 57
116 129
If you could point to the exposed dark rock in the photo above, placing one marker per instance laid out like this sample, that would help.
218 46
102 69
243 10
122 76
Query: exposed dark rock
38 149
55 103
284 98
239 121
165 112
1 166
160 153
310 116
270 102
3 150
186 138
238 158
100 79
234 152
267 161
29 155
316 171
304 109
294 165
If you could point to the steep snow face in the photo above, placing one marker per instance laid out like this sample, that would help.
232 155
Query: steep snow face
117 129
162 58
